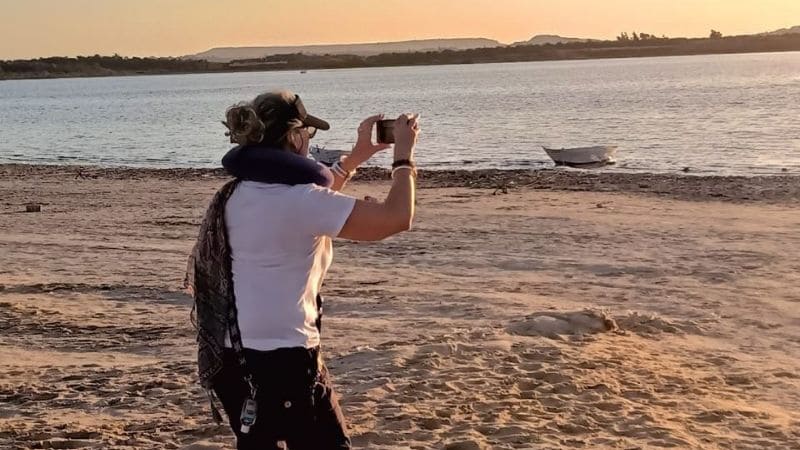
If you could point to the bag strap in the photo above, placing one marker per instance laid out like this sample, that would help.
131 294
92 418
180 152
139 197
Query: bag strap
238 347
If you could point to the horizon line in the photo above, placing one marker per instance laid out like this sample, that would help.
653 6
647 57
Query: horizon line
367 43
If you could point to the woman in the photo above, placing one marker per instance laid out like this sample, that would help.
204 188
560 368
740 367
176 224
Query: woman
258 266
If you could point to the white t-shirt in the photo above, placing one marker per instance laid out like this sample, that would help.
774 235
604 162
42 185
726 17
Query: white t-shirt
280 239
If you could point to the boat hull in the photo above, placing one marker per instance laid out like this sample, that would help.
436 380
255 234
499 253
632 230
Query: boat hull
582 156
326 156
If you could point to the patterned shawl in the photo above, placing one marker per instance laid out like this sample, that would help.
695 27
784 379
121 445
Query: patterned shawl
210 280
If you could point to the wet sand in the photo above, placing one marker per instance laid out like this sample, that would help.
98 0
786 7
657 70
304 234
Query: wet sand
551 309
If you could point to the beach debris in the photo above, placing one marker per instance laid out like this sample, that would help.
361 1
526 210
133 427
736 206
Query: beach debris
600 205
33 207
83 175
503 187
687 169
501 190
371 283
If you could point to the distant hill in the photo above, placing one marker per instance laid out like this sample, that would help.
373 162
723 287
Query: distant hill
228 54
792 30
543 39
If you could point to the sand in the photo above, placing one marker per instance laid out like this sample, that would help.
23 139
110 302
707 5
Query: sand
518 313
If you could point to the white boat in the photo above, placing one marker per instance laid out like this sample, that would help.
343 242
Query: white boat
583 156
326 156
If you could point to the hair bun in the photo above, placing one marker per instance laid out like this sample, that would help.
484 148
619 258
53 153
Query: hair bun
244 126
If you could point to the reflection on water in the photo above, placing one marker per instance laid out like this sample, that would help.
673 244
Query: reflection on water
722 114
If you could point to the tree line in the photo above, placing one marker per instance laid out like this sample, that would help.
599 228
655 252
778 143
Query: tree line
101 66
636 37
625 46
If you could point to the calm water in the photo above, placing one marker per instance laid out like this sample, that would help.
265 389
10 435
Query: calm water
731 114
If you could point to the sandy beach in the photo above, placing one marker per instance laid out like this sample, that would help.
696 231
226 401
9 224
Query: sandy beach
525 310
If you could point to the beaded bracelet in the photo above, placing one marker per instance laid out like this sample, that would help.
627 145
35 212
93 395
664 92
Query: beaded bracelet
409 167
337 169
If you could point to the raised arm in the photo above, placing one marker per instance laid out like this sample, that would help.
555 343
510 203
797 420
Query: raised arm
363 150
373 221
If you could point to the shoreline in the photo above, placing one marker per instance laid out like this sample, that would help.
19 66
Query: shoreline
771 189
440 63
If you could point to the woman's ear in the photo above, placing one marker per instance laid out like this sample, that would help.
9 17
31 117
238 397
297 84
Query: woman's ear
295 141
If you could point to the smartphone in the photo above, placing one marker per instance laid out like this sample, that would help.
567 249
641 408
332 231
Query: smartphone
385 129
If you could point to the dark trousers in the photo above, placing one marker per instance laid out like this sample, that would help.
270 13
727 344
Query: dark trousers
296 402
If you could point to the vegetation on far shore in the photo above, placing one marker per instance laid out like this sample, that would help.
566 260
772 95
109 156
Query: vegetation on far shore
625 46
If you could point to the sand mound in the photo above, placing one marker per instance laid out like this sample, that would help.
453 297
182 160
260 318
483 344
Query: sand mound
555 324
648 324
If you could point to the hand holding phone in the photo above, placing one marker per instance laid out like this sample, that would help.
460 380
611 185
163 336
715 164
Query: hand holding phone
405 132
385 131
365 147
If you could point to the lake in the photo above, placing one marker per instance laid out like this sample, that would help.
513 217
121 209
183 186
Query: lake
717 114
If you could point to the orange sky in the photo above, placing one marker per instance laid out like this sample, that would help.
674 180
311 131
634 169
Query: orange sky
33 28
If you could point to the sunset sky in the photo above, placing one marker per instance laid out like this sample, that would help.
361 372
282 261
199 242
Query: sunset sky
34 28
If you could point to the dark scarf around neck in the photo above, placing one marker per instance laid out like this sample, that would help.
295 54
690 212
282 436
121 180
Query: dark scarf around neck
270 165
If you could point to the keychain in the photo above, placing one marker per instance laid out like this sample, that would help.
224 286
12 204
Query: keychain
248 416
250 408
